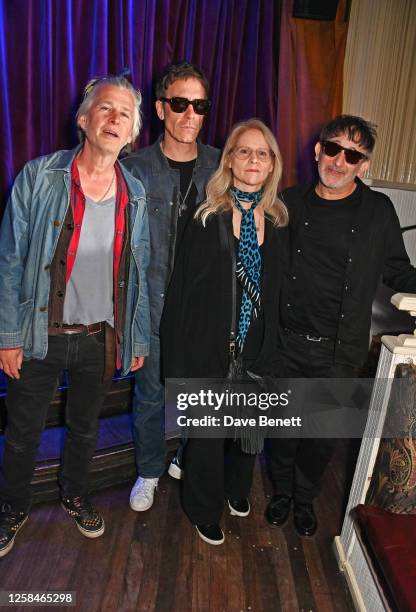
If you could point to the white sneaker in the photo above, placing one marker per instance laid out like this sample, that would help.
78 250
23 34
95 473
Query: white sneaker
142 494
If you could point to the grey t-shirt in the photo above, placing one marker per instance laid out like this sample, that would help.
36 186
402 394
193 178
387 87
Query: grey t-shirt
89 291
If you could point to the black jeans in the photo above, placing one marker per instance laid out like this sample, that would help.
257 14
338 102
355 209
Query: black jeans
27 404
214 468
297 465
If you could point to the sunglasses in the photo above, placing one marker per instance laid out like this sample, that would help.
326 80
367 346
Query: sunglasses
331 149
179 105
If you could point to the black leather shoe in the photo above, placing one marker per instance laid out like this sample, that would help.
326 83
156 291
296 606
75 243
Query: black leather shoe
306 522
277 511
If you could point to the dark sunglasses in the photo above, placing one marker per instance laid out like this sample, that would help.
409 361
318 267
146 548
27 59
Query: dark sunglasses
331 148
179 105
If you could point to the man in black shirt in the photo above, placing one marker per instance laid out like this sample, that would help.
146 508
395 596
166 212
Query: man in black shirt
343 238
174 171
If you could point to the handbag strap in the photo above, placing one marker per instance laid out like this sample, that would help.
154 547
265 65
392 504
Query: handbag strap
227 244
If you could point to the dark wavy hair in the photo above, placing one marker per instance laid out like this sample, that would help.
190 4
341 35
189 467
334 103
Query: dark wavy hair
182 70
357 129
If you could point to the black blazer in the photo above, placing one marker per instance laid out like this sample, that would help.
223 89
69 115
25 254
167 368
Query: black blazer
196 321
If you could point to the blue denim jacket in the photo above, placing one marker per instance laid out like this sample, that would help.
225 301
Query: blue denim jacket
161 183
29 235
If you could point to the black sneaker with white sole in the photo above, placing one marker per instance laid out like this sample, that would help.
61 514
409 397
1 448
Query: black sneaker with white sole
175 468
88 520
212 534
10 524
239 507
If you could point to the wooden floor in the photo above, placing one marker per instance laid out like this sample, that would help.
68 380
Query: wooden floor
154 561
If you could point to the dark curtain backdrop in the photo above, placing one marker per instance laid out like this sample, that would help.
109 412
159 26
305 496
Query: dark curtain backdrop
50 48
310 85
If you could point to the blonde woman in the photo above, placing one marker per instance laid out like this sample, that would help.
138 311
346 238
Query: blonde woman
236 238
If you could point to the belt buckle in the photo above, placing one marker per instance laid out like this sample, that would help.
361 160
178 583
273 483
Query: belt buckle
313 338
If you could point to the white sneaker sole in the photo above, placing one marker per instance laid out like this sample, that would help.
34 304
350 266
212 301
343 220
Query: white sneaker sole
10 545
235 512
140 508
85 532
175 471
208 541
91 534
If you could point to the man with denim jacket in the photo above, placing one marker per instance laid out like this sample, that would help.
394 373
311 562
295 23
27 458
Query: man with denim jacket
74 250
174 171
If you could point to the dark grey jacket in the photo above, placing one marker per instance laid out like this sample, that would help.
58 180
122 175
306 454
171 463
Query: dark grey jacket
376 252
161 185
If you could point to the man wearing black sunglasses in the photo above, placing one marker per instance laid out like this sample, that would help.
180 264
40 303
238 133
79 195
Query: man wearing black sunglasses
344 237
174 171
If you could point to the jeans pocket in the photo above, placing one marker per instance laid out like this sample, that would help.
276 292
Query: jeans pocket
98 339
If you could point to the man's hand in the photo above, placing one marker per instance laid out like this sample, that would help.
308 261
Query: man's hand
136 363
11 361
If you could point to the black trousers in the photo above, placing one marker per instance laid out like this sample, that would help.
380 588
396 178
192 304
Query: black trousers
27 404
297 465
214 468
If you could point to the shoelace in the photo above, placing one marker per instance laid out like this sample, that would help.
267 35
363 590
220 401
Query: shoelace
84 507
8 520
147 485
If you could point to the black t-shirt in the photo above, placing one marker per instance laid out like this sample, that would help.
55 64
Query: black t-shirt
187 196
321 258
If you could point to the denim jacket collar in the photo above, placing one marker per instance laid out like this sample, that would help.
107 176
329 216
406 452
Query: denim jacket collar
62 162
160 164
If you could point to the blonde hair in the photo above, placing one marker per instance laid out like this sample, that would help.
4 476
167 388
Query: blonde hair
219 200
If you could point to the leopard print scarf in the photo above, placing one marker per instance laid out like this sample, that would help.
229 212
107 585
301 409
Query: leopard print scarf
248 268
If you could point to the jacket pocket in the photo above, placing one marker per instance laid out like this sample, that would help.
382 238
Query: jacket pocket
159 213
26 322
